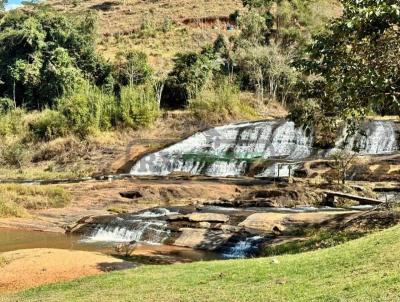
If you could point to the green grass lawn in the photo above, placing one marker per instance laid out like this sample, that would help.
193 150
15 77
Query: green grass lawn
366 269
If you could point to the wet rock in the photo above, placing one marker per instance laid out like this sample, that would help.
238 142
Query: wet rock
88 223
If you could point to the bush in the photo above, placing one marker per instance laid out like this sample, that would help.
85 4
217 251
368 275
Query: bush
12 123
88 109
138 106
133 68
14 154
6 104
221 102
48 125
191 72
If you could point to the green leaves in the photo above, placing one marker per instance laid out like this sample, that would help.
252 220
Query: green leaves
43 54
358 60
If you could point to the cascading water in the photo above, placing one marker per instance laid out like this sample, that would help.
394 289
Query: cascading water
373 138
242 248
143 227
227 150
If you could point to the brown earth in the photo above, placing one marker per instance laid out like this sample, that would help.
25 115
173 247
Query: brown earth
24 269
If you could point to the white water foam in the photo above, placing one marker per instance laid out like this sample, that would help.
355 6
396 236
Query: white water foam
139 231
242 248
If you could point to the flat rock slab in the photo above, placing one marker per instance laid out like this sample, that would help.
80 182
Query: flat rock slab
264 221
208 217
201 238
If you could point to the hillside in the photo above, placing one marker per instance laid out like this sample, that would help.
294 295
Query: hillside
163 28
366 269
159 28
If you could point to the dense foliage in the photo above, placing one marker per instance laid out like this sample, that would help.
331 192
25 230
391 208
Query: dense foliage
354 65
44 54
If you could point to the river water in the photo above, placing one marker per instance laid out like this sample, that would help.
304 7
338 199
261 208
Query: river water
12 240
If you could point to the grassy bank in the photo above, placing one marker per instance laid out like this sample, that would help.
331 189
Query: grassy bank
366 269
15 200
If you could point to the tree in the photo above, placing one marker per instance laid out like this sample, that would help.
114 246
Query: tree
342 162
191 72
355 63
44 53
3 5
133 68
273 34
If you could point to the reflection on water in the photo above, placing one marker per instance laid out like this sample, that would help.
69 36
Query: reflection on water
11 240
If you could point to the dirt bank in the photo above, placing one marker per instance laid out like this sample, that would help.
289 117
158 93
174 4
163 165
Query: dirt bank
29 268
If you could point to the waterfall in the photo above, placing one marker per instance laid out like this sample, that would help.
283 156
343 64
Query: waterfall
242 248
278 170
140 231
231 149
147 226
227 150
373 138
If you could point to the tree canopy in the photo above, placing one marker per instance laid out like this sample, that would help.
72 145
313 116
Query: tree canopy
44 53
355 64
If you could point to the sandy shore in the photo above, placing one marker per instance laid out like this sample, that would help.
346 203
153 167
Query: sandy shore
24 269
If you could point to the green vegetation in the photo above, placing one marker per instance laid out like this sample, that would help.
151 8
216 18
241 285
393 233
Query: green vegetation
326 63
221 101
352 67
16 199
314 240
360 270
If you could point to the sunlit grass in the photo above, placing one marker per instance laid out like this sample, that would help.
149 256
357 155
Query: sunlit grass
365 269
16 199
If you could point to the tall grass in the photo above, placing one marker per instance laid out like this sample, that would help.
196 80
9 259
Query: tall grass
88 109
16 199
221 102
138 106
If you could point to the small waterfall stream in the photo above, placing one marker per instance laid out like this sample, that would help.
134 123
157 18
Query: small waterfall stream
242 248
230 150
145 227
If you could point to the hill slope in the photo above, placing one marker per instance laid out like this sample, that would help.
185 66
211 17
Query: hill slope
362 270
159 28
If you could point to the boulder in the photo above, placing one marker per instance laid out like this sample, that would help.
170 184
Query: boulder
204 225
265 222
201 238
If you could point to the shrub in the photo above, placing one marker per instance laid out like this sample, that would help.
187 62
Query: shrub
6 104
12 123
191 72
14 154
48 125
87 110
221 102
138 106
